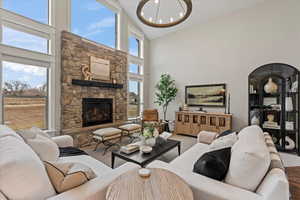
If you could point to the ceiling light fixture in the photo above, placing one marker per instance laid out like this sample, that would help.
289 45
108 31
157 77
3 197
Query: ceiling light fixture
153 13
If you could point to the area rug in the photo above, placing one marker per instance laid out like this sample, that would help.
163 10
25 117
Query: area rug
186 143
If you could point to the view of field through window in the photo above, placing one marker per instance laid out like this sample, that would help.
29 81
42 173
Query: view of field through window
25 96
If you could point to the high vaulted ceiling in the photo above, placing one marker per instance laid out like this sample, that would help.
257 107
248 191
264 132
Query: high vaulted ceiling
203 10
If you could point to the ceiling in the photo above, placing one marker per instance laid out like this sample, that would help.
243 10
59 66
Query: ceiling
203 10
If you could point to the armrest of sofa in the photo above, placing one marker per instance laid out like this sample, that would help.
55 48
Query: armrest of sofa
205 188
206 137
63 141
95 188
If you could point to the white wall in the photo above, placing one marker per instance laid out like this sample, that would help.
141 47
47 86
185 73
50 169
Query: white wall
226 50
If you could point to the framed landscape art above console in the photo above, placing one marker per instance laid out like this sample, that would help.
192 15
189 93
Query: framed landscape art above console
213 95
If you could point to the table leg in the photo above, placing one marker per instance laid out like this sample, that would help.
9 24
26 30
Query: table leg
179 148
112 160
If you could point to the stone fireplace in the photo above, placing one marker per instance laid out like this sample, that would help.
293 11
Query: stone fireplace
96 111
87 106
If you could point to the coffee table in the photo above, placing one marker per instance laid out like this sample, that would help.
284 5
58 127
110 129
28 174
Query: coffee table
161 185
143 159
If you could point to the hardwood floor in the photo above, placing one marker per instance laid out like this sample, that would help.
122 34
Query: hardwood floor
294 179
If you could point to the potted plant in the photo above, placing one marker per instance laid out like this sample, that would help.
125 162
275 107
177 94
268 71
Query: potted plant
166 92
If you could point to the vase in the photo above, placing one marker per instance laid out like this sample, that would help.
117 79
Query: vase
288 104
289 143
254 120
271 87
150 142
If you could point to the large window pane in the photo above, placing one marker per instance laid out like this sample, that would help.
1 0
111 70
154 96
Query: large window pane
94 21
134 68
25 96
134 46
34 9
24 40
134 99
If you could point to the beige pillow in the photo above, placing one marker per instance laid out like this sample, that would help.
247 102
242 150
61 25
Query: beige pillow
65 176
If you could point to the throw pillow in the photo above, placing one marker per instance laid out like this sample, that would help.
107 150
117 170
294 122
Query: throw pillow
250 160
223 142
32 133
224 133
65 176
46 149
214 164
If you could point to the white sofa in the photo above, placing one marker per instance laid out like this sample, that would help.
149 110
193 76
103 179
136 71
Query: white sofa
274 186
18 183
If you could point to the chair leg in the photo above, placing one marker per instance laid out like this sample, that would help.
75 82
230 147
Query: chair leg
99 142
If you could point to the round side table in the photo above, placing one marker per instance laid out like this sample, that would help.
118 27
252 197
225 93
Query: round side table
162 185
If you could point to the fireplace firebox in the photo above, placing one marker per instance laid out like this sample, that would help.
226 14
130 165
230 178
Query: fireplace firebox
96 111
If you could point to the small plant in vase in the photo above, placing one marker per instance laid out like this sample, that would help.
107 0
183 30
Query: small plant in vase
149 135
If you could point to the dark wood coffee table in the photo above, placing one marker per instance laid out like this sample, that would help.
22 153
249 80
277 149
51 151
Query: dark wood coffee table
142 159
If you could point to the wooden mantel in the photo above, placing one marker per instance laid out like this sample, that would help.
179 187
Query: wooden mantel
96 84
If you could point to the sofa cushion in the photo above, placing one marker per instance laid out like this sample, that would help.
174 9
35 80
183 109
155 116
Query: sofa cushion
46 149
6 131
214 164
250 159
65 176
22 173
99 168
187 160
223 142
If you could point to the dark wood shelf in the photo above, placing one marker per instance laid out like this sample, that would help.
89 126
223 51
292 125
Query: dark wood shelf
96 84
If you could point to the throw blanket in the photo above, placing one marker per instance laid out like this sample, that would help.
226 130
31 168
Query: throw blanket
70 151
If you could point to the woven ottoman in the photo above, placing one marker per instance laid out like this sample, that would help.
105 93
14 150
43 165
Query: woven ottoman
105 136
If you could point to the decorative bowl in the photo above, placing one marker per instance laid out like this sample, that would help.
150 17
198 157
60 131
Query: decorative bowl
145 149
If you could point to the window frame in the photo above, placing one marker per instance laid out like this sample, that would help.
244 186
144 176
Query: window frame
138 60
111 6
19 55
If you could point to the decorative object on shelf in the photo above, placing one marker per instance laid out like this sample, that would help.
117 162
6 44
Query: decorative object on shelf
114 81
227 108
270 87
289 143
145 173
268 101
276 103
158 13
289 125
166 92
100 68
185 107
289 104
252 90
206 95
294 86
254 120
87 75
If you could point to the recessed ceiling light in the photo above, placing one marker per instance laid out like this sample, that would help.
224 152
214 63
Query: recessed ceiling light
171 19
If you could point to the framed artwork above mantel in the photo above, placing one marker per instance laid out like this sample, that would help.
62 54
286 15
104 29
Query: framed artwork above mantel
213 95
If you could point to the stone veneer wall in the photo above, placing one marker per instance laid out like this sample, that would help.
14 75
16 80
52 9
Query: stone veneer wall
75 52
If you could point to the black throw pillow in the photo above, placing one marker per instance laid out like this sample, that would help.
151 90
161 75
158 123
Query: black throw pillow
214 164
70 151
225 133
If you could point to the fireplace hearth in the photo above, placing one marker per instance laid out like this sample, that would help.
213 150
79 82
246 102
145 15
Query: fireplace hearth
96 111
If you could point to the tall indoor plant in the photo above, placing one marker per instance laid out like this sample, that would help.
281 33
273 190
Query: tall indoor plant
166 92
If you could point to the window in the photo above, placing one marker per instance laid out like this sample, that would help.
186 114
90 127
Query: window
25 8
134 104
25 95
134 68
94 21
24 40
134 46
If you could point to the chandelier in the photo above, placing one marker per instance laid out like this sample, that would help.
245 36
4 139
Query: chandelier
164 13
